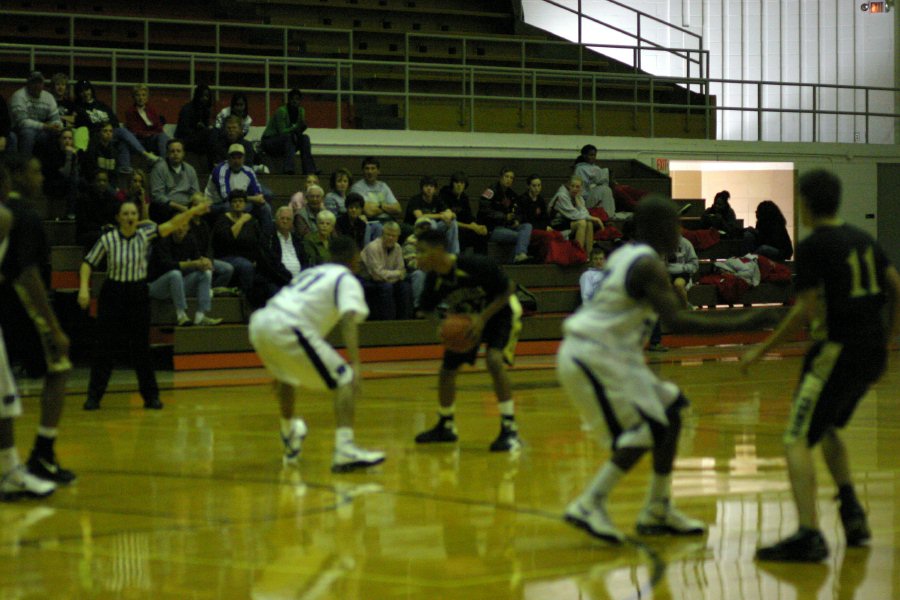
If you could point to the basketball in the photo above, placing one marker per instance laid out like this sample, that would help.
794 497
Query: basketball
454 333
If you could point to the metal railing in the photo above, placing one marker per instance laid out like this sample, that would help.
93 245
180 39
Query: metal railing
473 86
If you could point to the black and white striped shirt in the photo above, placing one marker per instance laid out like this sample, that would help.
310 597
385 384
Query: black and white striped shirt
126 256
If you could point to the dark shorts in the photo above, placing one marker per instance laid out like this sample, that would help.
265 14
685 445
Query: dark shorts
500 333
833 381
23 343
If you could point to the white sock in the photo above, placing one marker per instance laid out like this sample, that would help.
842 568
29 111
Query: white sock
199 317
660 488
507 408
343 436
604 482
286 426
180 315
447 411
9 460
48 432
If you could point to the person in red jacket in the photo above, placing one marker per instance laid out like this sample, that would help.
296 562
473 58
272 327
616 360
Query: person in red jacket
145 123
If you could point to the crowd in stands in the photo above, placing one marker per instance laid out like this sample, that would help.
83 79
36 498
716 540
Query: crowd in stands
240 245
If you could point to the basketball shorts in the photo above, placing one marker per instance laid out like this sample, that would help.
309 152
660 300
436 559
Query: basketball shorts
31 349
10 405
615 391
833 381
501 333
296 357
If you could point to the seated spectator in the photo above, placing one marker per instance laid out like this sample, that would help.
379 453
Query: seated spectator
298 200
570 213
335 199
471 234
193 123
95 208
499 211
381 204
201 232
136 192
93 114
534 211
316 245
231 174
388 293
427 204
415 275
34 114
100 154
238 108
720 216
64 103
60 166
286 245
595 181
177 270
770 236
9 145
591 278
682 266
353 222
223 139
172 183
284 135
239 241
145 123
305 218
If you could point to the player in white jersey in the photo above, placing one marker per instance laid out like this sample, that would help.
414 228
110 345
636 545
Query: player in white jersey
601 366
289 337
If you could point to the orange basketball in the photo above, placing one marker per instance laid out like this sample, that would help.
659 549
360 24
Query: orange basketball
454 333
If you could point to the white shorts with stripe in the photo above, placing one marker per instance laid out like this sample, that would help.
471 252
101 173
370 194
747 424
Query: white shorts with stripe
616 389
10 405
295 357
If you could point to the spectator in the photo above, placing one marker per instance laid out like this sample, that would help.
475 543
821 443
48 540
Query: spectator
284 135
59 163
381 204
388 293
95 209
770 237
64 102
682 266
178 270
100 154
335 199
93 114
137 192
34 113
353 222
145 123
720 216
499 211
471 234
427 204
595 181
231 174
237 108
200 231
223 139
316 246
172 183
570 213
305 218
410 258
286 245
534 211
8 142
193 122
591 278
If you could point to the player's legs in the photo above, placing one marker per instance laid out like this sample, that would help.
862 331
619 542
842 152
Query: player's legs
347 455
853 517
445 429
293 430
508 438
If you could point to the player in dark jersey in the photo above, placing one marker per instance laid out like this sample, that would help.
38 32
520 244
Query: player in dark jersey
843 281
474 285
33 334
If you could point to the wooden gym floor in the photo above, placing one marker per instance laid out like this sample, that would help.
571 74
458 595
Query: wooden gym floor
192 502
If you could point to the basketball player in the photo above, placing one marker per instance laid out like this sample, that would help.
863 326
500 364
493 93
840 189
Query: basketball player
843 281
474 285
601 366
27 317
289 337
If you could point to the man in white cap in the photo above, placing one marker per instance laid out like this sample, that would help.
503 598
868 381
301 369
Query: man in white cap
231 174
35 115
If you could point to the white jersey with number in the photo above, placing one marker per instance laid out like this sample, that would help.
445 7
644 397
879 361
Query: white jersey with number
612 315
316 299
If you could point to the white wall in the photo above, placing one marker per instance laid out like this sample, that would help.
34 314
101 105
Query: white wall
805 41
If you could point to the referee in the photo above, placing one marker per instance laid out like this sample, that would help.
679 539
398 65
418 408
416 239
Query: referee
123 315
